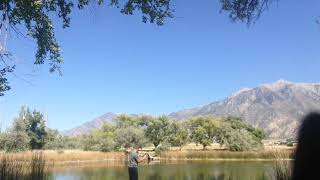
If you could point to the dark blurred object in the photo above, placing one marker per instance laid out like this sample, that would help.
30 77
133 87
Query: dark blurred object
307 157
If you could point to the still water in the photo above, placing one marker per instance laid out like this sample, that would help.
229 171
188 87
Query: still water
197 170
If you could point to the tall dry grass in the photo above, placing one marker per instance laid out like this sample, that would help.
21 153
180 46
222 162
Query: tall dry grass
282 168
70 156
33 169
10 169
221 154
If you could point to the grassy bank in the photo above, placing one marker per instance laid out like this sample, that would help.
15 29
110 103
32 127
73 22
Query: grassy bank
68 156
77 156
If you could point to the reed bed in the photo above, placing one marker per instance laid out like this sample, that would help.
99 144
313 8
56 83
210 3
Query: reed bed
73 156
220 154
33 169
69 156
282 169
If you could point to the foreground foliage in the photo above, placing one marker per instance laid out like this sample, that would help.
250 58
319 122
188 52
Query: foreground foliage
282 169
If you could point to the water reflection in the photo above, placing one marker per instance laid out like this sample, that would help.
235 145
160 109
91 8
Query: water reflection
176 171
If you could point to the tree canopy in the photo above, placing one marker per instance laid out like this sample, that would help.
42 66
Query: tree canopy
237 135
247 11
28 131
203 129
157 130
178 134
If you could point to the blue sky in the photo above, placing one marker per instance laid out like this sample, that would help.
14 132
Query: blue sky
116 63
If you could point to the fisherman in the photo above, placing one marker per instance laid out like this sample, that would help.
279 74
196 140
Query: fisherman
133 161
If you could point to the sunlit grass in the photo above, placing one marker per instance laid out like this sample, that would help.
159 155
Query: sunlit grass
69 156
74 156
222 154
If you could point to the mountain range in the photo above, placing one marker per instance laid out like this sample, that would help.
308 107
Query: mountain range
277 108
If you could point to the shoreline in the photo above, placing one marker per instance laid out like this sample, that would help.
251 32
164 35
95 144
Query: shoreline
72 157
165 160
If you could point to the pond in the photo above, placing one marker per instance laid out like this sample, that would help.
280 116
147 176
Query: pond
191 170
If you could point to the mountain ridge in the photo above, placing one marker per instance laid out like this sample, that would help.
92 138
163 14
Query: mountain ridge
275 107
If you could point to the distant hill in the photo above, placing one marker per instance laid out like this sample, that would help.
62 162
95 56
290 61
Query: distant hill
90 125
277 108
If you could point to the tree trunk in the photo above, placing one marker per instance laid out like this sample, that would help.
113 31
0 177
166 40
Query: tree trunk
204 147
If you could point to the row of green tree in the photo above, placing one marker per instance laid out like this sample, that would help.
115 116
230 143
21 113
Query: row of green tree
29 132
125 131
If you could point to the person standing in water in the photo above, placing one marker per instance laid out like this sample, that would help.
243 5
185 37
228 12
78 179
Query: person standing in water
133 161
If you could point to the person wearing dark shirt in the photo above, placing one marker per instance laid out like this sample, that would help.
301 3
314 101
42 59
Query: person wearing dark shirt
133 161
307 158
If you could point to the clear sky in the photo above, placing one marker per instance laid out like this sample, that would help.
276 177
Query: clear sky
115 63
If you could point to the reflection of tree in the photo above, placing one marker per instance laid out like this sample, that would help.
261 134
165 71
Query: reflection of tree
192 171
205 176
154 176
160 176
200 176
220 177
102 173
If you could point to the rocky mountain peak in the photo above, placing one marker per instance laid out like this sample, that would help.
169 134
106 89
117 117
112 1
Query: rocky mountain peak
276 107
277 85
